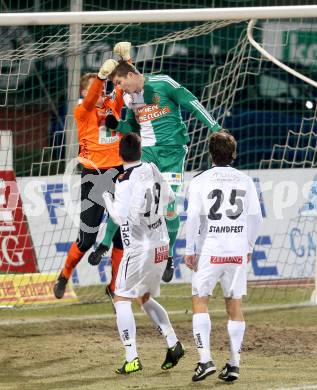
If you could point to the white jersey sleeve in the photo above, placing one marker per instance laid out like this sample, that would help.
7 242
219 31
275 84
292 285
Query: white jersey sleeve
119 207
254 223
193 219
253 207
254 215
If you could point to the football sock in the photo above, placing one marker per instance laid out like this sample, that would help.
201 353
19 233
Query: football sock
201 332
159 317
236 331
172 228
127 329
73 257
116 257
110 232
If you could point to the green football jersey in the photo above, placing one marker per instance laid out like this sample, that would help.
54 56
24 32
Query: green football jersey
156 112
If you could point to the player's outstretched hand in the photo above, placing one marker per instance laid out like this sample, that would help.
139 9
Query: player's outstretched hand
191 262
111 122
107 68
122 49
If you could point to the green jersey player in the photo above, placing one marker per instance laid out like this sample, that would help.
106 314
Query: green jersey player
154 110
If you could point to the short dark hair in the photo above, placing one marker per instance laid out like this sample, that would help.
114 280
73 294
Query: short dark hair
122 70
222 148
130 147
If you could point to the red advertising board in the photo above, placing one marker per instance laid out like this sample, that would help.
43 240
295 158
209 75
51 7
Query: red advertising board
17 253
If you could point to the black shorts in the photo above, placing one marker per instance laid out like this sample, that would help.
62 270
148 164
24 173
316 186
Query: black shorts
93 184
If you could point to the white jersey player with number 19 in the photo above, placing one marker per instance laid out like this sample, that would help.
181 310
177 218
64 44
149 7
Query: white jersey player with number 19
141 195
223 221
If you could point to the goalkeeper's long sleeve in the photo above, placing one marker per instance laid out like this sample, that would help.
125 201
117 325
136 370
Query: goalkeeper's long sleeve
94 93
186 99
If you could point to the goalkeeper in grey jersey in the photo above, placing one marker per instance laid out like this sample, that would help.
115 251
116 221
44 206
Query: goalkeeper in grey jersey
154 110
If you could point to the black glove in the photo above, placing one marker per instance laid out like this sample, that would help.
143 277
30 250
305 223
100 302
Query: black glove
111 122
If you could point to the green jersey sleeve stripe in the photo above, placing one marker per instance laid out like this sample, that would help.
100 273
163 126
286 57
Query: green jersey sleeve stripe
167 79
203 112
203 109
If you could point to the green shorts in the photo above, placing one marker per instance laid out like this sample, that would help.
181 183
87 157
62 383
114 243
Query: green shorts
169 160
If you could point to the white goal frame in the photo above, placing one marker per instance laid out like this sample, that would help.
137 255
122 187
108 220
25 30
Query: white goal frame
153 16
77 18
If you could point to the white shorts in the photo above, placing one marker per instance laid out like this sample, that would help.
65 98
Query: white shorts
141 273
231 272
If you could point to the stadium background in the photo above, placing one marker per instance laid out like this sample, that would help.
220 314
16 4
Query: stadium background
263 112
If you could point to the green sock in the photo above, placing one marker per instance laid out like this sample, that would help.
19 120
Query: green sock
110 232
172 228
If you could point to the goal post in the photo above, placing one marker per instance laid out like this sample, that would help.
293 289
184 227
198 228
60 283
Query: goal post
161 16
258 79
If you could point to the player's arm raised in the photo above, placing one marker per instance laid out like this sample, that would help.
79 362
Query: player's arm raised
95 90
186 99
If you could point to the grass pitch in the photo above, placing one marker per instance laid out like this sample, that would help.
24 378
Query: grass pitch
78 347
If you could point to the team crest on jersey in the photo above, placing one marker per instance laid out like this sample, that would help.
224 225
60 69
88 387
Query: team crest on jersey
156 99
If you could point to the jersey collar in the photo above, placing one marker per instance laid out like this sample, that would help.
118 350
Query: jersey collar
131 165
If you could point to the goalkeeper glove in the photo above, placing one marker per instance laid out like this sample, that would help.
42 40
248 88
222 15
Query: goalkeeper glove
107 68
122 49
111 122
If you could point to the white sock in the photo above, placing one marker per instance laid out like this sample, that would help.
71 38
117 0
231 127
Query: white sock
126 328
201 331
159 316
236 332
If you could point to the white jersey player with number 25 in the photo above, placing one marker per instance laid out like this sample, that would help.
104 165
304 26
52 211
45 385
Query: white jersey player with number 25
141 195
223 221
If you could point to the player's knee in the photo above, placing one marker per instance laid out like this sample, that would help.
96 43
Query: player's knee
85 245
123 300
171 215
171 211
144 298
234 311
200 304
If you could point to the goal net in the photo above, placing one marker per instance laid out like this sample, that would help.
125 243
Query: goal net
269 110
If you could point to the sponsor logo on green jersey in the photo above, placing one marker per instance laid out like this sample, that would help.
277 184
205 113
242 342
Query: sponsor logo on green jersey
151 112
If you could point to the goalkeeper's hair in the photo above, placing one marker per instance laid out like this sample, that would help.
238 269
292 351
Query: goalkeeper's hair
84 80
130 147
122 70
222 148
